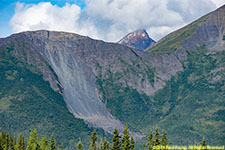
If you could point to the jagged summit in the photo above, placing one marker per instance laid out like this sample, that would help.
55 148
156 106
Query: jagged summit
138 39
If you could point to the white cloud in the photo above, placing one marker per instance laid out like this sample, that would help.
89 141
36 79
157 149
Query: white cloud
45 16
110 20
51 17
218 3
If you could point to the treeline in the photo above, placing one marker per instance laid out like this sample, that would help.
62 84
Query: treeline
7 142
123 141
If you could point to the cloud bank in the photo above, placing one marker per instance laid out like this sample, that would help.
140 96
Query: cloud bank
110 20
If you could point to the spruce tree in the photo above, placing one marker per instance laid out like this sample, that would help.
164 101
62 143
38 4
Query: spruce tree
164 142
126 139
11 146
203 145
101 145
132 143
53 143
2 139
116 140
6 145
93 145
20 142
150 141
38 147
33 141
14 142
157 137
79 145
43 144
106 144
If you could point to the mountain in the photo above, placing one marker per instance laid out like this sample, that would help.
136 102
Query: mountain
138 39
86 73
177 85
207 31
27 100
194 98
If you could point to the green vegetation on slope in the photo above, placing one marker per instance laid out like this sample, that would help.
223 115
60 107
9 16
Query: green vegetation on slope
194 105
125 102
189 106
27 101
173 41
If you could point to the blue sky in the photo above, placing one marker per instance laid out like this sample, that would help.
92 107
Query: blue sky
107 20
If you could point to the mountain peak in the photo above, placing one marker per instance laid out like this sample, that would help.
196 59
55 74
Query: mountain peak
138 39
208 31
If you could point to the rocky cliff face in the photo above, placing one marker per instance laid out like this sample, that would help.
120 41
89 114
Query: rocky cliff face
71 64
209 32
97 57
138 39
28 102
76 78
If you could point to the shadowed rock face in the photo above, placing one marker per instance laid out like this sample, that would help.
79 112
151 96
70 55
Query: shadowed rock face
92 58
138 39
74 61
77 79
210 32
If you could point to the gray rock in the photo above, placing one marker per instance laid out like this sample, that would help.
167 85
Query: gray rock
70 63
